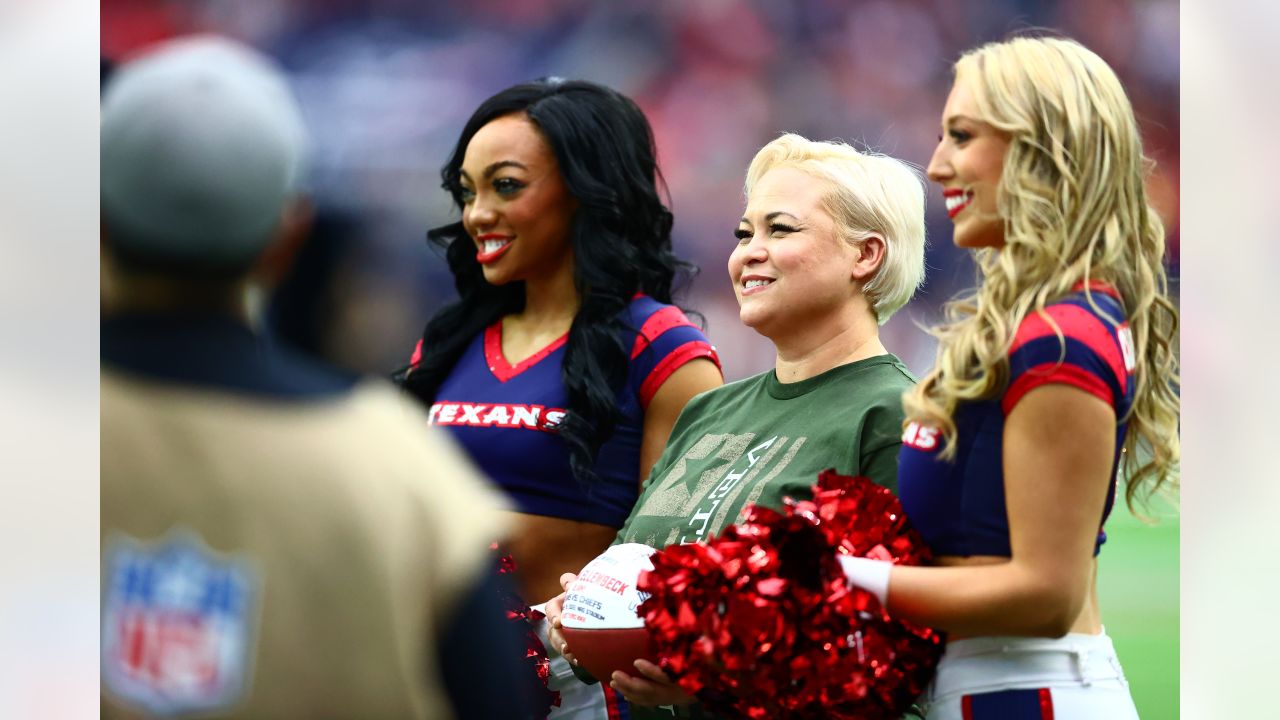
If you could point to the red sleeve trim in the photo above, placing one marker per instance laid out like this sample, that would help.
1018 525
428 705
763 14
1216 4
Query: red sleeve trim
656 324
1055 374
1075 322
674 360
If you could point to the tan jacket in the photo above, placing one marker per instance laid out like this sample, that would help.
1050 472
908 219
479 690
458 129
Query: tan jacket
352 530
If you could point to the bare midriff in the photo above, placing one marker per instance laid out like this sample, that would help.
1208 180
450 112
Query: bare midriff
1089 622
545 547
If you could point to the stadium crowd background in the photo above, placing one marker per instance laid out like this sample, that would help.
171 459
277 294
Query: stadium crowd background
386 85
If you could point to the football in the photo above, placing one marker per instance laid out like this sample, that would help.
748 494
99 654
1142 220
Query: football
599 621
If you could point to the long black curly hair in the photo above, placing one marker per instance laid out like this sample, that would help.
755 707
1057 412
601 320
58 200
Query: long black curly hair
621 240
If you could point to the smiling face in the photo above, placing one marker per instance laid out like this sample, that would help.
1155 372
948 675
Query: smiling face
515 205
968 163
790 269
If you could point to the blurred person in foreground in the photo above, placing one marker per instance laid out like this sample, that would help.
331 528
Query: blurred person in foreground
1058 373
830 245
563 365
278 539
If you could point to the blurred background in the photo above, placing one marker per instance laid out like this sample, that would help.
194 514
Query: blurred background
386 86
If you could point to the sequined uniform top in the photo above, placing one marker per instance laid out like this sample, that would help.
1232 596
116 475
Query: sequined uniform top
959 506
506 416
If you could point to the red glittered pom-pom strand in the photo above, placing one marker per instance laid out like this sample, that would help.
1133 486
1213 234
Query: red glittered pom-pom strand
519 612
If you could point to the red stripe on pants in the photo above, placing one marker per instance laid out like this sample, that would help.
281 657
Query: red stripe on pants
1046 704
611 702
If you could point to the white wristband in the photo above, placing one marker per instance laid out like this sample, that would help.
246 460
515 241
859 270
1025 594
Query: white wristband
870 575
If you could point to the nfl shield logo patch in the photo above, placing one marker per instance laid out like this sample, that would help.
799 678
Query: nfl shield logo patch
178 624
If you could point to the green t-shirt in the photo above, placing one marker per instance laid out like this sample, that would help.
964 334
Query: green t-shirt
759 440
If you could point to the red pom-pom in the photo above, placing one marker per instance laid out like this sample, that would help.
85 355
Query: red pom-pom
761 622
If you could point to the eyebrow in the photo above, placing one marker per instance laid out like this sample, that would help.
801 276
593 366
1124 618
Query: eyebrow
493 168
951 119
771 216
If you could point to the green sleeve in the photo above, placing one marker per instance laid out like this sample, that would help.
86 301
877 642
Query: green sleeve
881 465
881 441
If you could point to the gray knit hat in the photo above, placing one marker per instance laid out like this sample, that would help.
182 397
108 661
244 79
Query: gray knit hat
202 148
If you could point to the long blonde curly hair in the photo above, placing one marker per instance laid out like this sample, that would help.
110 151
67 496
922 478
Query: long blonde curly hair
1074 209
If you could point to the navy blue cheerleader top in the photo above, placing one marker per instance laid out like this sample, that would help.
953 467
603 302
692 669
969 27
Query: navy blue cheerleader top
506 416
959 506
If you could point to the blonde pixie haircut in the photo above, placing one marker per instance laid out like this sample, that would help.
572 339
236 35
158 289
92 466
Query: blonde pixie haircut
1074 207
869 195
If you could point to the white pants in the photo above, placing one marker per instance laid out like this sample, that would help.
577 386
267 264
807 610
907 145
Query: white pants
1009 678
578 700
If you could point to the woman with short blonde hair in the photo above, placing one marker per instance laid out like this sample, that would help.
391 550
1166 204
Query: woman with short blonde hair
868 194
830 244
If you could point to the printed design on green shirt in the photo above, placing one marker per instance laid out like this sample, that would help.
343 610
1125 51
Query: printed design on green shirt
699 505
